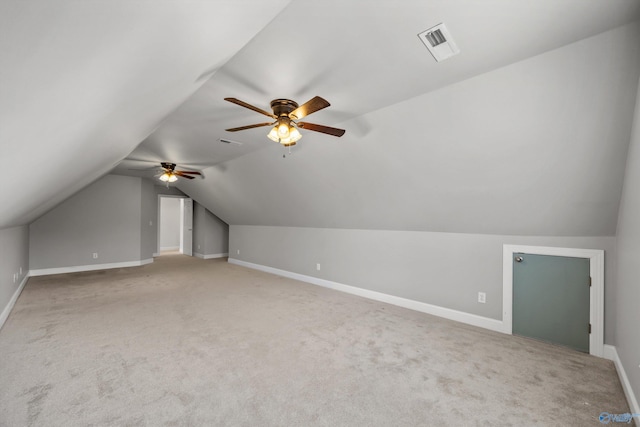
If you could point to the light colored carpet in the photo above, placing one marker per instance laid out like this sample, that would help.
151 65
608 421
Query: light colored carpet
189 342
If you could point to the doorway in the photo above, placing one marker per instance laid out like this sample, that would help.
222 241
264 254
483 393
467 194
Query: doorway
595 260
175 225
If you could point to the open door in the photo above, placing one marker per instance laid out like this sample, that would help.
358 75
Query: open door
186 226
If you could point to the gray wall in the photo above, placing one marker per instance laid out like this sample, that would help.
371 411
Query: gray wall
104 217
148 220
443 269
210 233
169 223
627 303
14 253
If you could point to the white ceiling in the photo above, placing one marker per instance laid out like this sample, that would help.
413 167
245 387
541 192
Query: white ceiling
448 146
82 83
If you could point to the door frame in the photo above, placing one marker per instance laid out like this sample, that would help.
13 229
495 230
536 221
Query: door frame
184 248
596 294
159 216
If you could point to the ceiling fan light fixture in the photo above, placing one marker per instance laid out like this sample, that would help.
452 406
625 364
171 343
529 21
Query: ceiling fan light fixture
284 133
168 177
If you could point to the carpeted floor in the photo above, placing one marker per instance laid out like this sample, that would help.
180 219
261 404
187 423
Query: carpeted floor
190 342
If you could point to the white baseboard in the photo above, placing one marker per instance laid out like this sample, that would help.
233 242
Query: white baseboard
91 267
210 256
169 248
611 353
156 254
7 310
447 313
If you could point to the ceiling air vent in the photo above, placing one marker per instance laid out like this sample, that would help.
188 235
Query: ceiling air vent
226 141
439 42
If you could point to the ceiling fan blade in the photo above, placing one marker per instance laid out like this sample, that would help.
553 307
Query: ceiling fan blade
183 175
311 106
190 172
321 128
249 106
250 127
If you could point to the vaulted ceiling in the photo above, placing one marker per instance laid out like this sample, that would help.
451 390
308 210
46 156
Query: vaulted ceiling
524 132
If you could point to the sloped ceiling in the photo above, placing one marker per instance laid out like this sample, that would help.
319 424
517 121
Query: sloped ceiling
524 132
82 83
534 148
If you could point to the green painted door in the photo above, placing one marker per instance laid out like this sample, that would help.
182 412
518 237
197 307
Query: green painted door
551 299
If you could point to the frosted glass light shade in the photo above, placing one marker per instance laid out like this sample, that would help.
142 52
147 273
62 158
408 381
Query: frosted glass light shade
273 135
168 177
294 134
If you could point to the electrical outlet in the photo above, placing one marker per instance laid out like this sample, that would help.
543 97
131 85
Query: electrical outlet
318 267
238 251
21 271
150 223
482 297
95 255
198 246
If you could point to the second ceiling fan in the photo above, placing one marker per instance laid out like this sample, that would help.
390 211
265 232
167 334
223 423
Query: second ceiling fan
286 114
170 174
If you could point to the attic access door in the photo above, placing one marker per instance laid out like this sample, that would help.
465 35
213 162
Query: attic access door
596 291
186 226
551 299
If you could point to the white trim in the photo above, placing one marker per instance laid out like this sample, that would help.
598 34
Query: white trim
92 267
596 300
169 248
447 313
611 353
210 256
7 310
156 254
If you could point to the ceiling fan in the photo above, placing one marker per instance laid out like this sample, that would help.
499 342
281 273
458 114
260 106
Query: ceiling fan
170 173
286 114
